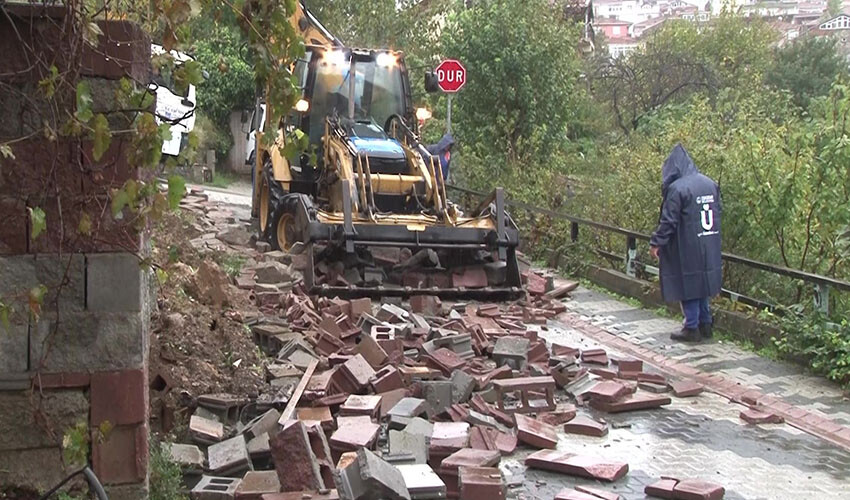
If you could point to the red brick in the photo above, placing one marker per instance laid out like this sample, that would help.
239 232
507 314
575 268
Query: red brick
120 398
481 483
387 379
662 489
607 392
586 426
62 380
535 433
639 401
122 456
426 304
470 278
563 413
753 416
577 465
361 306
694 489
685 388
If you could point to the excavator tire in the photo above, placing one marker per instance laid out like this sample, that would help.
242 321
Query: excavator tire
285 228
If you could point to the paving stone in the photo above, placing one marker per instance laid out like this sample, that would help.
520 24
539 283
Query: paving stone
445 360
358 371
686 388
215 488
535 433
570 494
409 408
205 430
259 448
321 414
265 423
634 402
462 386
479 419
422 482
485 438
229 457
349 483
753 416
653 387
577 465
407 442
511 351
438 394
361 405
586 426
257 483
420 426
294 460
695 489
272 272
374 354
481 483
469 457
662 489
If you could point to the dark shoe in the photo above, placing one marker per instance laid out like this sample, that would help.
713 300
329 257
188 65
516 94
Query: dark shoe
705 330
687 335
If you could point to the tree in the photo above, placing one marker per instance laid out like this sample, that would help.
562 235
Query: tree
834 7
806 68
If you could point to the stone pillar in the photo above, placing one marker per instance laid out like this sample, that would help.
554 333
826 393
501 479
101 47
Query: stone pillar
84 360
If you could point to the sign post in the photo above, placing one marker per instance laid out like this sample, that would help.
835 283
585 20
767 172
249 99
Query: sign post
451 77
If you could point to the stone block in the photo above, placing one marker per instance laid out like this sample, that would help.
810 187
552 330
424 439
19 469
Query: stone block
189 457
486 438
122 456
64 278
14 348
686 388
357 371
369 348
535 433
353 437
462 386
229 457
215 488
384 480
361 405
577 465
294 460
16 467
422 482
402 442
321 414
88 341
511 351
114 283
753 416
119 397
262 424
257 483
19 428
386 379
204 430
438 394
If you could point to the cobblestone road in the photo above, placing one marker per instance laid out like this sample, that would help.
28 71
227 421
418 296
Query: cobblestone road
700 437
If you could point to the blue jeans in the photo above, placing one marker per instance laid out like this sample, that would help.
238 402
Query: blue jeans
697 312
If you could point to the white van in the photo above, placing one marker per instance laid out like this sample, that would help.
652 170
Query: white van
172 104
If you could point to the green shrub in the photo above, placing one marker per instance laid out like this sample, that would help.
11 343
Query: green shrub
825 344
166 480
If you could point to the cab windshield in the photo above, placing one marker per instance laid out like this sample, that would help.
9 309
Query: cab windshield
378 90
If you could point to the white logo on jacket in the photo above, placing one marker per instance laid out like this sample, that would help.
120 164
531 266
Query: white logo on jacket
706 215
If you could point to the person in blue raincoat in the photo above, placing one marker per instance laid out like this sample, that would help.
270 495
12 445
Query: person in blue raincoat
443 151
687 243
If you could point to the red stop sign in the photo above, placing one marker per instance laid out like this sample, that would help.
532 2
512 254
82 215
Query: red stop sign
451 75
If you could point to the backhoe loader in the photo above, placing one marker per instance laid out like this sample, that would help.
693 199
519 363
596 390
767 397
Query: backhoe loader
368 210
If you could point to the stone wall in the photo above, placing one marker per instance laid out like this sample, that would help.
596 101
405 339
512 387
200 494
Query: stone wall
85 358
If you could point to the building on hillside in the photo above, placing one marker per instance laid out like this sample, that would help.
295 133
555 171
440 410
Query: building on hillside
785 9
612 28
623 46
633 11
788 30
837 27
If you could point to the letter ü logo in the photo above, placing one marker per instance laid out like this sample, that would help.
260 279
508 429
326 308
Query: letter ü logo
707 217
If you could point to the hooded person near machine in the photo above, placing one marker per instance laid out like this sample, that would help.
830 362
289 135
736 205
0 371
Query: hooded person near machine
687 243
443 151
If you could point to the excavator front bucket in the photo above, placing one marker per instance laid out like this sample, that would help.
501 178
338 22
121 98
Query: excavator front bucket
411 254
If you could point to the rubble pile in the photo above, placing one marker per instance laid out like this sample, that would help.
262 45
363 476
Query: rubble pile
415 399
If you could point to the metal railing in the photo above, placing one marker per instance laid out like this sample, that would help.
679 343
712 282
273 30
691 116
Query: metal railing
821 284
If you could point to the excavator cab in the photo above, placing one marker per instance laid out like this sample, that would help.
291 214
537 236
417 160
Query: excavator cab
367 205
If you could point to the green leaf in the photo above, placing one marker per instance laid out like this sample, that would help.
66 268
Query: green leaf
47 85
101 135
120 199
84 101
161 276
36 299
85 224
38 221
6 151
176 190
91 33
4 315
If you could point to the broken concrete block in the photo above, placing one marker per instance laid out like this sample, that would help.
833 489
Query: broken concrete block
577 465
215 488
259 449
410 407
426 304
438 394
361 405
294 460
586 426
634 402
486 438
462 386
562 414
753 416
466 457
357 371
369 477
686 388
189 457
360 307
481 483
511 351
267 422
392 313
445 360
369 348
229 457
204 430
257 483
422 482
420 426
321 414
403 442
535 433
594 356
272 272
386 379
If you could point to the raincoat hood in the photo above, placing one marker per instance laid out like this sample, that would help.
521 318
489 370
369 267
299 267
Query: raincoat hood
679 164
445 143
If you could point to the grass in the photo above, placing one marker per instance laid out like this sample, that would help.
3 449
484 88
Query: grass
222 179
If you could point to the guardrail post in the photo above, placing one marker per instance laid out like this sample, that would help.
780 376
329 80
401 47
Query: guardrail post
631 254
573 232
822 298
